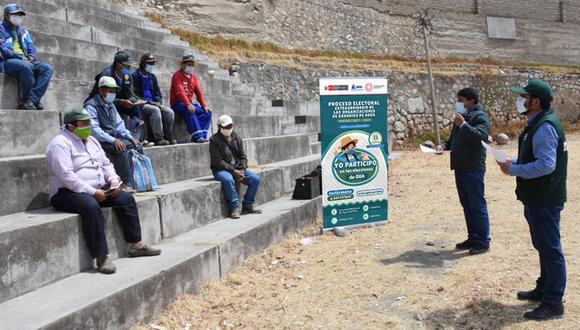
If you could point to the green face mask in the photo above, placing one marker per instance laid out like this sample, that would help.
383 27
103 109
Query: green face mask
82 132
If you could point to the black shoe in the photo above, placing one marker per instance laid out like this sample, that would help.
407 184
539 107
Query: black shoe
465 245
28 105
250 210
534 295
39 106
545 312
162 142
478 249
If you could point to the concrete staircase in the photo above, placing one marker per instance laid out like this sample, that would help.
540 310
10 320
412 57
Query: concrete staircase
46 276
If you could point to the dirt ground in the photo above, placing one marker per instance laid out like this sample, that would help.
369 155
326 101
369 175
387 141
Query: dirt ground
404 275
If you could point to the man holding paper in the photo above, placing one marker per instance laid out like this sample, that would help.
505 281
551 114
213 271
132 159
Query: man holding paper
541 171
470 127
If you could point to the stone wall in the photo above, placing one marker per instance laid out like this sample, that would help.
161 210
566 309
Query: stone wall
409 104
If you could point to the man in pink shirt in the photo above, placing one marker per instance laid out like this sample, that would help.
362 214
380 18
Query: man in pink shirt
82 180
184 86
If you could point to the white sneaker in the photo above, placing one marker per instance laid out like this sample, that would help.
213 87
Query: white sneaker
146 143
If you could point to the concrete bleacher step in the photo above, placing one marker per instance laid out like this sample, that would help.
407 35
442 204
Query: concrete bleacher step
45 245
171 164
26 132
143 286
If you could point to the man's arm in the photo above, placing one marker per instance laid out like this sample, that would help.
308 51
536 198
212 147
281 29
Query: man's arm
157 96
120 126
545 145
242 157
178 85
198 93
60 161
96 131
30 48
478 131
108 168
7 53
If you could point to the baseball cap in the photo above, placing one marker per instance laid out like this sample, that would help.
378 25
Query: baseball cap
123 57
13 8
536 87
225 120
107 81
148 58
188 58
76 114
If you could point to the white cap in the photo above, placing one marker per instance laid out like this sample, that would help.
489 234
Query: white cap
225 120
106 81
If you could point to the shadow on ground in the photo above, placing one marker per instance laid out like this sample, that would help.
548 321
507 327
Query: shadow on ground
479 314
427 259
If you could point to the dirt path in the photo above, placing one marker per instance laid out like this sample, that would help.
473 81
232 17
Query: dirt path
388 277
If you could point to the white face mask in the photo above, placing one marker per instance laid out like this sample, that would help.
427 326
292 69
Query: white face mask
16 19
460 108
148 68
520 105
188 69
226 132
110 98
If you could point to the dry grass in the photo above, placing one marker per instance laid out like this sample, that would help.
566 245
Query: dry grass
225 50
387 277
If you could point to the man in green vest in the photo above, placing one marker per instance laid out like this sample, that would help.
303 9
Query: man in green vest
540 169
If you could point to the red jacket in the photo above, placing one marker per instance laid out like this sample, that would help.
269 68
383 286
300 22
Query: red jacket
183 88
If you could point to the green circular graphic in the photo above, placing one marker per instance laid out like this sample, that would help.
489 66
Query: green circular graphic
355 169
375 138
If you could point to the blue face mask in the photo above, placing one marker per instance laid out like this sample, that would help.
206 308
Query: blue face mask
125 71
148 68
460 107
350 152
110 98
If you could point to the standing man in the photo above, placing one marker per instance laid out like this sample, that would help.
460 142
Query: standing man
184 85
540 170
146 87
229 165
82 180
470 127
18 58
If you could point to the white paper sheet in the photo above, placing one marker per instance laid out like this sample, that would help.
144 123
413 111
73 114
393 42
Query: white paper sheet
428 150
500 156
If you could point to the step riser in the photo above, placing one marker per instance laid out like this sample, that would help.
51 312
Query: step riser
63 251
27 132
276 149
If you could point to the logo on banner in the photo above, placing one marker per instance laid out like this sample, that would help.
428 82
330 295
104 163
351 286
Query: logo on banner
357 88
352 166
369 87
336 88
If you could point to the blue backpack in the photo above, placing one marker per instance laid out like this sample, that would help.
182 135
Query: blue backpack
142 177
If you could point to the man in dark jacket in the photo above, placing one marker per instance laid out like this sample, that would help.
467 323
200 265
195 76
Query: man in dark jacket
146 87
18 59
229 165
470 127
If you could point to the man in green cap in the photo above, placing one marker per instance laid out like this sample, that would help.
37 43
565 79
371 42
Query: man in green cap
82 180
540 170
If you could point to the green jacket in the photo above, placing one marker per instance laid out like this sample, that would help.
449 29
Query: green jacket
467 152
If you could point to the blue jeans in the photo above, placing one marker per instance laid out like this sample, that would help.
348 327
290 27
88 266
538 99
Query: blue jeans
252 180
197 123
544 223
470 188
33 77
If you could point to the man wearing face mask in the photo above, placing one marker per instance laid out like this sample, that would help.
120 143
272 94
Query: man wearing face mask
184 85
146 87
127 103
18 58
109 129
82 180
229 165
541 170
470 127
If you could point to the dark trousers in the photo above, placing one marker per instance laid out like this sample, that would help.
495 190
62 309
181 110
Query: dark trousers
93 221
544 225
121 160
471 190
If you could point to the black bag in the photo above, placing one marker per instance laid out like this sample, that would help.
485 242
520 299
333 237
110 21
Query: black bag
307 187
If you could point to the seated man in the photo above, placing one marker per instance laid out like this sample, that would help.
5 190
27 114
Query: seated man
18 59
108 127
82 180
126 102
184 85
229 165
146 87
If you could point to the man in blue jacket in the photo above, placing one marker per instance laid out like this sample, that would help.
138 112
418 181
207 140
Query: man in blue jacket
470 127
18 58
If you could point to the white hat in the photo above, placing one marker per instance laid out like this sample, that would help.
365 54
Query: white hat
225 120
109 82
